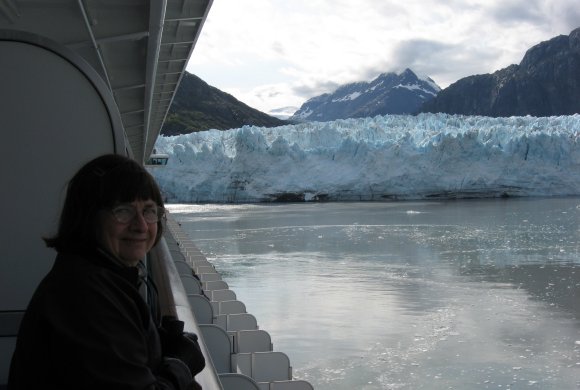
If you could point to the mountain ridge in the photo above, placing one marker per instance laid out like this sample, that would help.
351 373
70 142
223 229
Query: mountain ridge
389 93
197 106
545 83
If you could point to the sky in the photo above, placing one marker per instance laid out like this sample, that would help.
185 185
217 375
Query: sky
271 54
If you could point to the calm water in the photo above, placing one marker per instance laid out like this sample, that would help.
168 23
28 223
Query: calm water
479 294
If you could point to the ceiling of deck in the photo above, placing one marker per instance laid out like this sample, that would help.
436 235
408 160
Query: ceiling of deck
139 47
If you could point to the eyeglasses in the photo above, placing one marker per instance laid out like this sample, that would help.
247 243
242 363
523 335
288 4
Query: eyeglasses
125 213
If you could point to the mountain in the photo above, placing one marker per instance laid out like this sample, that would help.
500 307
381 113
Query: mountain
390 93
198 106
545 83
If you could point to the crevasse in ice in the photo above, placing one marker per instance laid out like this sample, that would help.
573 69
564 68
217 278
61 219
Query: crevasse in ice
429 156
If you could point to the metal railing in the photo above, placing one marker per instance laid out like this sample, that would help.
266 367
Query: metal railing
173 301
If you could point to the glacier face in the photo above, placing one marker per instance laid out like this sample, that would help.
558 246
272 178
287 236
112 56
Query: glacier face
428 156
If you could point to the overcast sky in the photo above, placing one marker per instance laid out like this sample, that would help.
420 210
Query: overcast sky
276 53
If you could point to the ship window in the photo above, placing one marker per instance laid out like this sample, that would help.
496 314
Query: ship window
158 160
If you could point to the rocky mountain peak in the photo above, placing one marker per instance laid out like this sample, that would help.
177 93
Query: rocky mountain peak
389 93
545 83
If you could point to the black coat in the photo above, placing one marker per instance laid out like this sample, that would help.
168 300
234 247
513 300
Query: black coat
87 327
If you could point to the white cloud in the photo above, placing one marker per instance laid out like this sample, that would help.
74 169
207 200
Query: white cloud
273 53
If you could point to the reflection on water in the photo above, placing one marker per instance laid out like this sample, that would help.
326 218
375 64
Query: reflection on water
408 295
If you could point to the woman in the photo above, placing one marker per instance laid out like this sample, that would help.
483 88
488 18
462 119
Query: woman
87 325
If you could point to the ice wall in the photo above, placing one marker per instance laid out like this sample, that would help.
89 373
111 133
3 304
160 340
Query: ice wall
385 157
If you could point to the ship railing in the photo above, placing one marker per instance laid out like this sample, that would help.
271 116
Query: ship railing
242 355
173 302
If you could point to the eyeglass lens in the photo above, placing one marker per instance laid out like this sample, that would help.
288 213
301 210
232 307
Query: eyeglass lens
126 213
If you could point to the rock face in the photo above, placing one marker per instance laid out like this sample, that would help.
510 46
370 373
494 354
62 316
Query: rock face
198 106
545 83
390 93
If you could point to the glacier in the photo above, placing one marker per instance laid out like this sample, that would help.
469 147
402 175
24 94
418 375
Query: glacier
392 157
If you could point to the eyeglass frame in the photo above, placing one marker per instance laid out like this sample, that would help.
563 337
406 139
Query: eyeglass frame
158 213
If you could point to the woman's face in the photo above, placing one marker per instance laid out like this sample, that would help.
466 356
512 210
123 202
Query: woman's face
131 240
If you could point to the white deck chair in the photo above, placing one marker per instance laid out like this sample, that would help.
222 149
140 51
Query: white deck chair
233 381
219 345
205 269
175 251
199 262
229 307
183 268
263 366
242 321
222 295
201 307
191 284
194 256
291 385
271 366
215 285
187 244
252 341
234 322
211 277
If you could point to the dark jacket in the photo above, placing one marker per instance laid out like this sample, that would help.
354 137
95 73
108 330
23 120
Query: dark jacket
87 327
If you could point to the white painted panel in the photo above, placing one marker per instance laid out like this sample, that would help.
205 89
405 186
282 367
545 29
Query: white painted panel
54 117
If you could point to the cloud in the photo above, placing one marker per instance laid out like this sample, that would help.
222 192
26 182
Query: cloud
422 52
543 15
442 61
518 11
317 88
270 50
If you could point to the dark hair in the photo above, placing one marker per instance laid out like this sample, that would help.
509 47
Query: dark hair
101 183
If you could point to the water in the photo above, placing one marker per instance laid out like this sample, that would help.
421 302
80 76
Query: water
477 294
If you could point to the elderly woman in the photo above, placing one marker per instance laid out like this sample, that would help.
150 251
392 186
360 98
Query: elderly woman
87 325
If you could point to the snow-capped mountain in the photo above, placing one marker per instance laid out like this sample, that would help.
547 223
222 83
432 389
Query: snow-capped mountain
390 93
